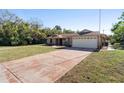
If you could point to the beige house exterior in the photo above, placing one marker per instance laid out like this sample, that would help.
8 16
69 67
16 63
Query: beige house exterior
89 39
62 39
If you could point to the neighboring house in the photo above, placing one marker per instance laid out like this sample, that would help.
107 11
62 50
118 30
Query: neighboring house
86 39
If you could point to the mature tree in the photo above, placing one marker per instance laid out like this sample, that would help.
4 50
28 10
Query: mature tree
47 31
35 23
67 31
15 31
118 30
56 30
8 28
57 27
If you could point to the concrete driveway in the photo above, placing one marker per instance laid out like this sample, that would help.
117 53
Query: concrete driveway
47 67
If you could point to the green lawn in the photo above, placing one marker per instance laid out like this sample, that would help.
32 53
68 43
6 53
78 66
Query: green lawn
11 53
106 66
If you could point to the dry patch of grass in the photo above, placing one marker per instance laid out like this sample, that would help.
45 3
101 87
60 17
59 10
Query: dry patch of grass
104 66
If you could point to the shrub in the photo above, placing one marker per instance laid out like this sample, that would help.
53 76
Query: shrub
112 41
24 42
14 43
121 47
116 45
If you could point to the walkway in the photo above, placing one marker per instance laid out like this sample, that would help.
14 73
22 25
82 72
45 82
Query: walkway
110 47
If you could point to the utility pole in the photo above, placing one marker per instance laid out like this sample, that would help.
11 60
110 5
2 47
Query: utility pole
99 20
103 31
99 39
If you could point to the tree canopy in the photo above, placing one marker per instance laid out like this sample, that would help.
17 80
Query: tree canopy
16 31
118 31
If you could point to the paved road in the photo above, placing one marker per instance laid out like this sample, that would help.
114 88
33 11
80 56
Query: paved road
47 67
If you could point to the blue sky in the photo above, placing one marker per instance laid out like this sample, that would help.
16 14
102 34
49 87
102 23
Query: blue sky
72 19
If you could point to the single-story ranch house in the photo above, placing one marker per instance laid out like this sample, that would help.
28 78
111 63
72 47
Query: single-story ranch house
87 39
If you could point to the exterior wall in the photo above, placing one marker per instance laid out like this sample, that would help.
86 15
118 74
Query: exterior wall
101 41
104 40
53 41
48 41
85 42
70 41
65 41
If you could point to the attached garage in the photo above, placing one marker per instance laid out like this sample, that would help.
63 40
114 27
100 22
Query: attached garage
85 42
85 39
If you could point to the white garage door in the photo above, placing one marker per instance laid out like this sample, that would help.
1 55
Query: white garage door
84 43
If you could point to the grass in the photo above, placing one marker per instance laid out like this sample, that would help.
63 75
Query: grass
105 66
11 53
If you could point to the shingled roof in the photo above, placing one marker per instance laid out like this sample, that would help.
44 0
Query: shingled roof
81 33
92 33
88 32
